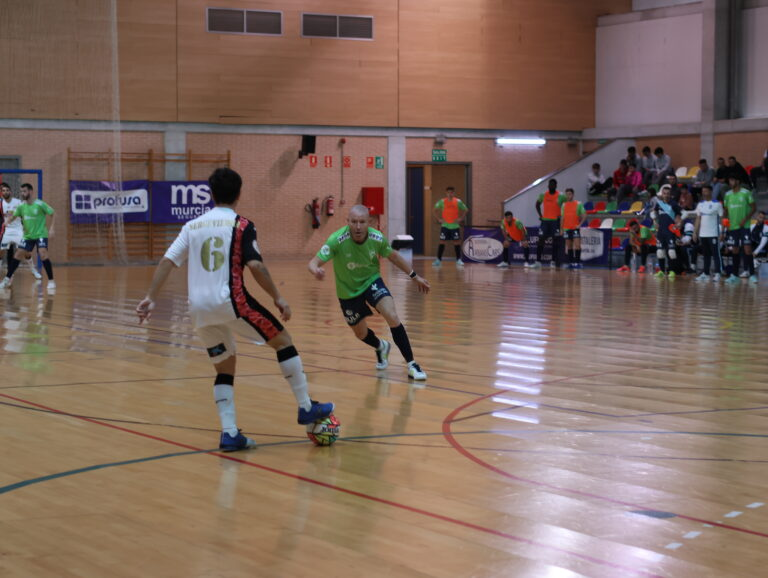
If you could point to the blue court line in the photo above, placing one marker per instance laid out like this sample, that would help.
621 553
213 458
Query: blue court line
32 481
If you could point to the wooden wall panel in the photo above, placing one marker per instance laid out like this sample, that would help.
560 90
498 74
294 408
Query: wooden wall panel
147 36
288 80
504 64
55 59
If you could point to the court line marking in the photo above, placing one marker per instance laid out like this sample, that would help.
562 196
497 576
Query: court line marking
370 497
448 420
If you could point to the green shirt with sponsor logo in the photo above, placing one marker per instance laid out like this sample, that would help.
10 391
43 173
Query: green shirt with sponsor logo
739 206
33 219
355 265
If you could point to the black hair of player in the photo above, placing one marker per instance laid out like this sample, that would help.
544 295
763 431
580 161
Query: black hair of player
225 186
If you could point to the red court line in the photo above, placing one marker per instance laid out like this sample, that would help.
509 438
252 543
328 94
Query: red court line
467 454
347 491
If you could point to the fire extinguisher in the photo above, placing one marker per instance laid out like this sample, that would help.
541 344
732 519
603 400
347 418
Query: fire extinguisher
329 209
314 210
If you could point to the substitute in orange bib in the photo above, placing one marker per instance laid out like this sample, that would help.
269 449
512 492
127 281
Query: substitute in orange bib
548 207
573 215
513 231
449 212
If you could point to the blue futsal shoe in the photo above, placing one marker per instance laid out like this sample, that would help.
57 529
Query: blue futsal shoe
316 412
233 444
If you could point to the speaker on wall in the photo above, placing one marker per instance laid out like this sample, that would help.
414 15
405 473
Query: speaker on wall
307 145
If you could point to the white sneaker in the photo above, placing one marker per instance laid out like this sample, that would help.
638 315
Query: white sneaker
702 277
459 263
34 270
503 265
415 372
6 282
716 277
552 265
382 354
527 265
51 285
753 278
536 265
744 274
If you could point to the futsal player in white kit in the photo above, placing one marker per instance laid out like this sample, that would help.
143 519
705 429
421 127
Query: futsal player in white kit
219 246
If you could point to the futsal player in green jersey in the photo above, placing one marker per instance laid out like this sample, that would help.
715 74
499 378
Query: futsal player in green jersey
33 214
738 207
355 250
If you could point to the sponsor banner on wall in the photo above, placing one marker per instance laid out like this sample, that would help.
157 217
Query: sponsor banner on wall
101 201
487 246
482 245
138 201
180 201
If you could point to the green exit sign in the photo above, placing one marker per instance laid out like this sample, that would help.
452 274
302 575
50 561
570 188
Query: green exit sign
439 155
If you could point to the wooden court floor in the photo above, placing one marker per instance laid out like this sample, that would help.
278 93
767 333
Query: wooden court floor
573 424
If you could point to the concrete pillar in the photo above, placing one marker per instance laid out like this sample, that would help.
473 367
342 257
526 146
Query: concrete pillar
395 193
175 142
719 78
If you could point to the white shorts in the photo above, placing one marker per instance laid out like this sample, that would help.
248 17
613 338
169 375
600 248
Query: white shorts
11 237
219 340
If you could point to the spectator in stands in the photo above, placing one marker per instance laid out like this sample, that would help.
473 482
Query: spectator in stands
707 233
633 184
619 178
632 157
739 206
641 243
662 166
720 183
597 184
646 165
684 198
760 176
735 169
705 176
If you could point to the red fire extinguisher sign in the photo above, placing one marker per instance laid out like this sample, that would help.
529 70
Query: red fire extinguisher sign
312 161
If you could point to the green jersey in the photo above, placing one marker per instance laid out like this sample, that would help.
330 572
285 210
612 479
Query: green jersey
33 219
739 206
355 265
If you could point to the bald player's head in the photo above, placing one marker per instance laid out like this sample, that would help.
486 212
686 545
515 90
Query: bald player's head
357 219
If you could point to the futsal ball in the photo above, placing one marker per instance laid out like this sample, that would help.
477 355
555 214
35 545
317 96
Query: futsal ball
324 431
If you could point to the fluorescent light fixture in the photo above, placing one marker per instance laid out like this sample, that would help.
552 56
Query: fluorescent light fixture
521 141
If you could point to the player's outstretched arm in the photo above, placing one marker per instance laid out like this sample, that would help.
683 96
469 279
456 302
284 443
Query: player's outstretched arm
316 268
397 260
264 279
146 305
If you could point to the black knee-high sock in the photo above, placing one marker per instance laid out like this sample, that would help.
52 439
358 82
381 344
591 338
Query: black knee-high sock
371 339
539 248
506 254
48 269
662 264
526 254
13 264
577 254
457 250
736 259
440 250
749 264
568 255
403 343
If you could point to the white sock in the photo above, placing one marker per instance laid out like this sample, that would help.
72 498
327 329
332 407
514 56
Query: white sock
293 372
224 396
